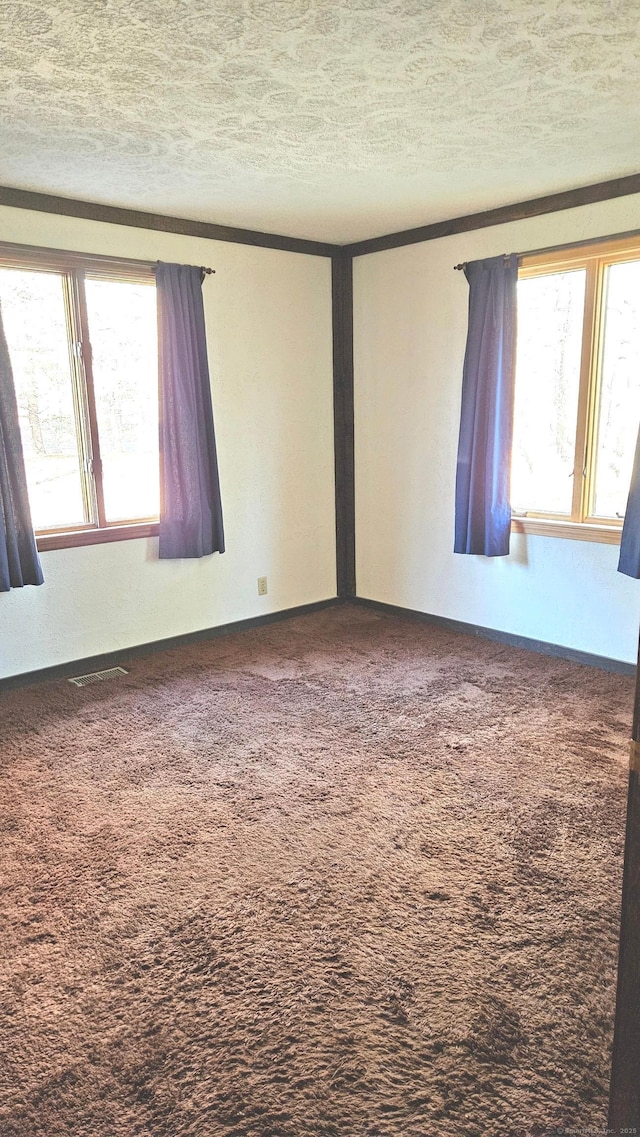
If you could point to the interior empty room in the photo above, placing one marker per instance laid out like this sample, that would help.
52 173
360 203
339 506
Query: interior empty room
319 569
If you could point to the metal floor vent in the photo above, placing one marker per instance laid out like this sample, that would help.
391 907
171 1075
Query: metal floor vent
98 676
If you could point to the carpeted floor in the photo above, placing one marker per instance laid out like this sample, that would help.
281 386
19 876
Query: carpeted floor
343 875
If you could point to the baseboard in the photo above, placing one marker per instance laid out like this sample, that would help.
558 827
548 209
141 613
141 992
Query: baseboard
540 646
120 657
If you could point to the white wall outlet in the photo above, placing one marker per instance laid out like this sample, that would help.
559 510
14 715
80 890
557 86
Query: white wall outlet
262 586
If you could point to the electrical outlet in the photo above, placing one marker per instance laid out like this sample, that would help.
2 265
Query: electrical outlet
262 586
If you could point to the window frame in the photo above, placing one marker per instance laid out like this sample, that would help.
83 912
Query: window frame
594 257
73 267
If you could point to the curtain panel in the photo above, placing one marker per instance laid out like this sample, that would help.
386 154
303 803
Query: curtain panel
629 562
19 561
483 509
191 508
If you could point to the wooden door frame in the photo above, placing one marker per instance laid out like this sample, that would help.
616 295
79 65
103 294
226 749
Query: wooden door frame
624 1099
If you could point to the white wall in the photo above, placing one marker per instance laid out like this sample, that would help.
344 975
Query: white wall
269 330
410 329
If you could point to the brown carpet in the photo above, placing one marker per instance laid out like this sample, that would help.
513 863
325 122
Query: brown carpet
344 875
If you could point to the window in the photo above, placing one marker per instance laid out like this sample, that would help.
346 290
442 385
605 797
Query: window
82 336
577 390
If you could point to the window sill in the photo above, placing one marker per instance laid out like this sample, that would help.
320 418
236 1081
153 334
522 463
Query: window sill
569 530
76 537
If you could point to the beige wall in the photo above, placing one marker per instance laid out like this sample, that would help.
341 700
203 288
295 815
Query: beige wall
269 329
410 328
269 325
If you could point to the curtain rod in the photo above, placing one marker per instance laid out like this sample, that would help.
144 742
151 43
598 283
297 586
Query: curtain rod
506 257
203 268
630 233
54 259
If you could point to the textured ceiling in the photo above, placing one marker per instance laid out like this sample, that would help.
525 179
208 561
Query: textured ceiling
318 118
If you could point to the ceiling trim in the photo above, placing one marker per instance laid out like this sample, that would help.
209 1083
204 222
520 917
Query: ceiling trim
114 215
519 211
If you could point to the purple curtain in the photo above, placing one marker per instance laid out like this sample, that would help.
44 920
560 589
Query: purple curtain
483 510
629 562
19 562
191 509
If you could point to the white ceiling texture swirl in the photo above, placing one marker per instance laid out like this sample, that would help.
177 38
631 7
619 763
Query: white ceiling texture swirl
316 118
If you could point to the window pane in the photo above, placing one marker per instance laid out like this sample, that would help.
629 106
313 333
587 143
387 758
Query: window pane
550 318
35 324
123 333
620 392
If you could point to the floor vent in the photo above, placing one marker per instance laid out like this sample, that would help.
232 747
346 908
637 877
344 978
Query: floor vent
98 676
